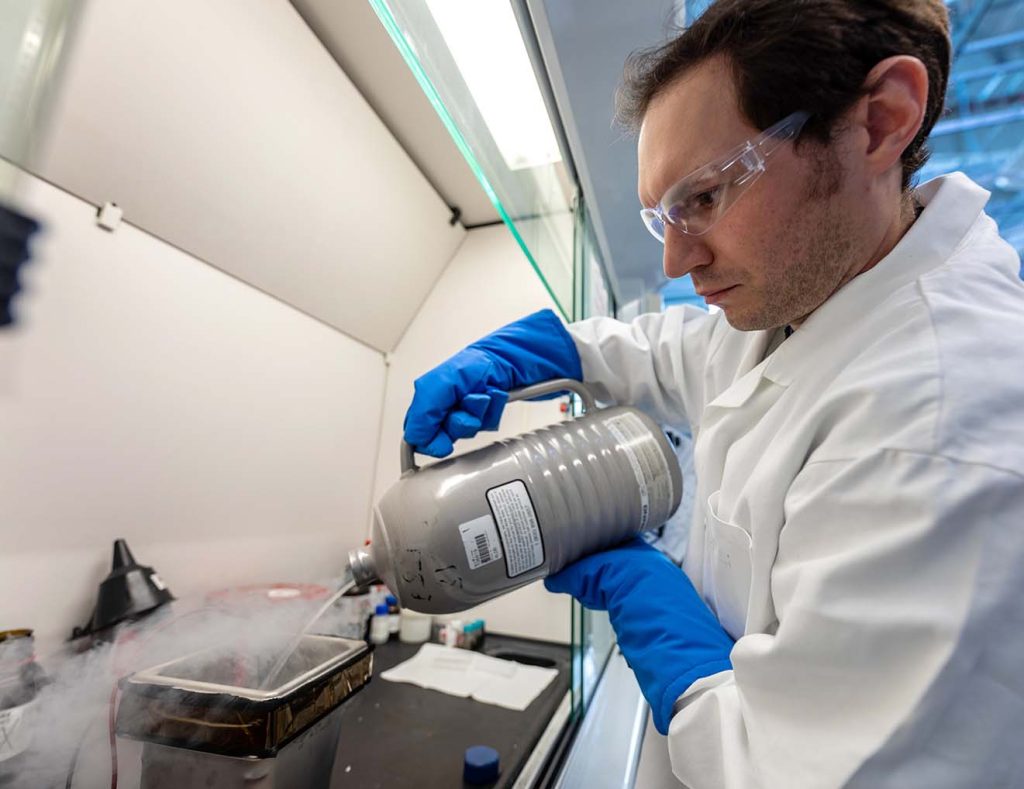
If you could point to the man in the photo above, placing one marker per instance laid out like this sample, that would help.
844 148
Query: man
852 608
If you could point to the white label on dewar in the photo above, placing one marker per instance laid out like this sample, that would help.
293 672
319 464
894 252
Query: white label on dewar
480 539
517 522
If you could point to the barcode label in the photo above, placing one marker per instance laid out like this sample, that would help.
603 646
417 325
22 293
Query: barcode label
481 548
480 539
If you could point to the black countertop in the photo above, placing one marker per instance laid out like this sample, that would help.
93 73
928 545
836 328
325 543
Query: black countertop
396 735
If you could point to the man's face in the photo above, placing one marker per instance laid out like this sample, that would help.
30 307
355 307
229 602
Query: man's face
786 245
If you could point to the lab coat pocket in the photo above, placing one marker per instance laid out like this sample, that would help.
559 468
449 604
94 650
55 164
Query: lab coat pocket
727 570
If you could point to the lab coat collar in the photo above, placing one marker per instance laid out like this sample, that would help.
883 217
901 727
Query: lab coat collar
751 368
952 204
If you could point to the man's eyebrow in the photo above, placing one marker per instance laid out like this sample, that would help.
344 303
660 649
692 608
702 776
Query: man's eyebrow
700 176
693 182
699 179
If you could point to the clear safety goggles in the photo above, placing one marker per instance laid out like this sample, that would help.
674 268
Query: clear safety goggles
696 202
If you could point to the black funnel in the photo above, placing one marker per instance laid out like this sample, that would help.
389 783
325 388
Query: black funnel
130 591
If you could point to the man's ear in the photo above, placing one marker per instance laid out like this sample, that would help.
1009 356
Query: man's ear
896 98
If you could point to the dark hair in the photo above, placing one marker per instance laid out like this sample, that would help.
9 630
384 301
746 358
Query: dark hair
789 55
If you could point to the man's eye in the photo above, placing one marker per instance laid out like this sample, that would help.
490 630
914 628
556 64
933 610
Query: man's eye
707 199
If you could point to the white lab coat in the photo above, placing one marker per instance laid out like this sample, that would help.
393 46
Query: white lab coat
859 525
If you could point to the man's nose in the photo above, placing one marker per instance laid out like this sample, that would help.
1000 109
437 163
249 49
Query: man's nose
683 253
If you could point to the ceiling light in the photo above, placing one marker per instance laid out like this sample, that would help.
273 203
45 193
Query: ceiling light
486 45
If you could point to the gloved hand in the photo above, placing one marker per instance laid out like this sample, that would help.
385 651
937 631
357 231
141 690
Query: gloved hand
468 392
15 232
667 634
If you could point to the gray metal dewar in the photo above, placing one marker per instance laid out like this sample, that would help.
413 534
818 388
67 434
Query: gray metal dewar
453 534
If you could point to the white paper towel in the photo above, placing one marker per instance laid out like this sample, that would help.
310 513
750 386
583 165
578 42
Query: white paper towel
464 673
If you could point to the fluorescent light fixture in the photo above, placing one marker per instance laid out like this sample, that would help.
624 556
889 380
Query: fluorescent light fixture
485 43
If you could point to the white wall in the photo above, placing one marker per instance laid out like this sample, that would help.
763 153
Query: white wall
360 43
228 130
144 394
488 283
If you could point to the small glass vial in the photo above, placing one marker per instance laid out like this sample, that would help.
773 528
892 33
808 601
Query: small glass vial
379 626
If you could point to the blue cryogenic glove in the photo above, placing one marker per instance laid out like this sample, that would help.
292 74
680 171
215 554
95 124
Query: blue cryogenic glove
667 634
468 392
16 230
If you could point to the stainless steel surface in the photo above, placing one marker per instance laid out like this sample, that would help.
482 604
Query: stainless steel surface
528 776
554 494
654 770
607 747
363 567
305 763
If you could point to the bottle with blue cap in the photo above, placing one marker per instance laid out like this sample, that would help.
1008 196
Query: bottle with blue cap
379 627
481 765
394 615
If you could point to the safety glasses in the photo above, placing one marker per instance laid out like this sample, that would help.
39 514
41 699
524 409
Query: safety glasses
695 203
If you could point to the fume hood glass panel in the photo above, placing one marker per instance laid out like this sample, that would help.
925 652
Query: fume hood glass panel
595 296
471 62
33 35
593 637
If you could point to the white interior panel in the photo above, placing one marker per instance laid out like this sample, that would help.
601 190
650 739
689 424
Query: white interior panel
487 284
358 41
228 437
227 129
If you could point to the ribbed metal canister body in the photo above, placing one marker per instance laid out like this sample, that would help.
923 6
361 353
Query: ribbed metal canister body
458 532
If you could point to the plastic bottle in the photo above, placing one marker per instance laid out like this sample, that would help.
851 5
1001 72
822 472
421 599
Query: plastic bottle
473 634
453 633
415 627
379 626
394 615
481 765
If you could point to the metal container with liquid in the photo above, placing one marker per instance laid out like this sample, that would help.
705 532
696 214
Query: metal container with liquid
205 721
21 679
461 531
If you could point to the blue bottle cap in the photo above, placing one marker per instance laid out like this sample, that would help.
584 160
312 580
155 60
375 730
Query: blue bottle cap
481 765
381 610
